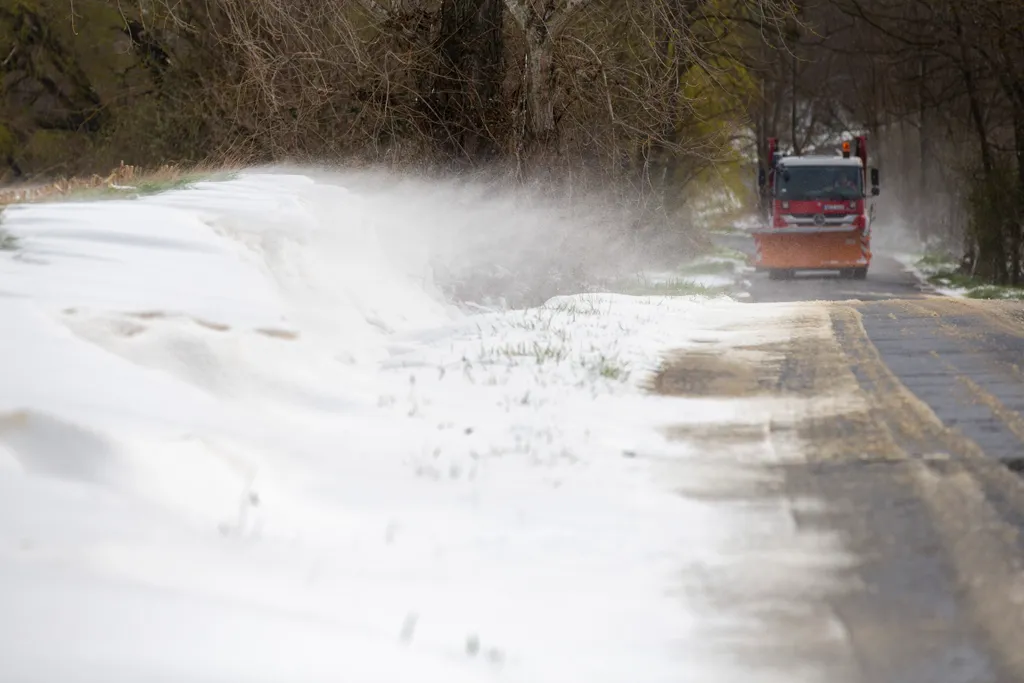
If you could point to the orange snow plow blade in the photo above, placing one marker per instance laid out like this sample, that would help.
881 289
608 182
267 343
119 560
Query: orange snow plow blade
820 250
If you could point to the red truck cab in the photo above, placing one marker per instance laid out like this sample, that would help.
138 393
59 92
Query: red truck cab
819 213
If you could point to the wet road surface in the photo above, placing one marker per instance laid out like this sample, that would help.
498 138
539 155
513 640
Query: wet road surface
886 280
922 480
925 488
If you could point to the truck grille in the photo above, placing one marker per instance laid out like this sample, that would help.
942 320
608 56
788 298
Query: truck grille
828 214
830 218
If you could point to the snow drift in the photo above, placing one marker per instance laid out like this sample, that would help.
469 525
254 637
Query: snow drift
244 437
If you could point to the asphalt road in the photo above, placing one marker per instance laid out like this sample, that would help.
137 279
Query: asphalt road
923 482
887 280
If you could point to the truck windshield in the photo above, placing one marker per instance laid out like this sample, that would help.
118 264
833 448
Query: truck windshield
819 182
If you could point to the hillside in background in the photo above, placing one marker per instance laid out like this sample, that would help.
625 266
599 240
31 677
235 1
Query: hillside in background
88 85
649 98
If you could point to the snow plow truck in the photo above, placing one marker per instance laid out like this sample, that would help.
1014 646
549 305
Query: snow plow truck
816 212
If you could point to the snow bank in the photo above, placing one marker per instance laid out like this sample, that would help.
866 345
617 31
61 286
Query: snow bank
243 439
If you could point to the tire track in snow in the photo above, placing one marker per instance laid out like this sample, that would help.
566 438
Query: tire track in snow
775 610
848 449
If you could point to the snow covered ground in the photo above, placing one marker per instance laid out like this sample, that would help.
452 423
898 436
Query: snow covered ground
942 275
243 439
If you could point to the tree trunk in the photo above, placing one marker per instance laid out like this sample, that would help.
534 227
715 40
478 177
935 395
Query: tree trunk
540 85
541 22
974 100
987 238
679 17
464 90
1016 219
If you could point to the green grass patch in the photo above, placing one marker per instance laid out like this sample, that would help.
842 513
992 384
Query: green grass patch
145 187
8 242
157 185
996 292
610 370
126 182
941 271
678 283
88 194
710 267
936 260
585 306
148 187
674 287
542 353
952 278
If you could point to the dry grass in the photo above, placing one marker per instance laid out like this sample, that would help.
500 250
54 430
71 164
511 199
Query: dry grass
123 181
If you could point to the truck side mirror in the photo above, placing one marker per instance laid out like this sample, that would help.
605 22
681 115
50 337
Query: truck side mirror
874 191
874 177
761 177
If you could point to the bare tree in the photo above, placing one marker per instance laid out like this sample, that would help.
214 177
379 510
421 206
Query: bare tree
541 23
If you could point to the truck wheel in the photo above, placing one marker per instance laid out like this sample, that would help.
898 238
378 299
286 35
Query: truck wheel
860 273
779 274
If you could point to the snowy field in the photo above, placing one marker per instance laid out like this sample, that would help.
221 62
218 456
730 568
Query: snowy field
244 439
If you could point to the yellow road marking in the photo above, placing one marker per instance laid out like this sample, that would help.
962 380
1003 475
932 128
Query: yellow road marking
983 547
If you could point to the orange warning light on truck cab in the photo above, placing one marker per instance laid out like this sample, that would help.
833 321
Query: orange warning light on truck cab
846 149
